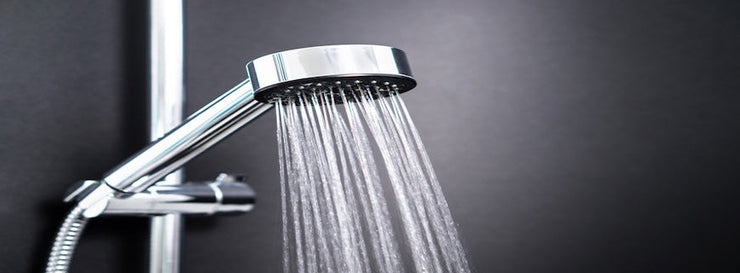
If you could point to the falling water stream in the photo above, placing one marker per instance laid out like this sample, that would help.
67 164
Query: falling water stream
347 210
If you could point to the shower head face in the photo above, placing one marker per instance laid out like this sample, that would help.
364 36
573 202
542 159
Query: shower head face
340 71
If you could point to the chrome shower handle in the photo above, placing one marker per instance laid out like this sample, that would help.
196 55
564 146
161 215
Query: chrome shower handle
200 131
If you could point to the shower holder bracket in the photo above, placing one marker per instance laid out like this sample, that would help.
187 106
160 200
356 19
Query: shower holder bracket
227 194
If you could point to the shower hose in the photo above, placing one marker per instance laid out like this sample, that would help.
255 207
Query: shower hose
66 241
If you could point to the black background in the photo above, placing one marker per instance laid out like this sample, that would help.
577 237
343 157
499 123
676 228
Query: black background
569 136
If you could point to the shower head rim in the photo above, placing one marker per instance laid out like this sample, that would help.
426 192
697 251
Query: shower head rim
273 75
397 84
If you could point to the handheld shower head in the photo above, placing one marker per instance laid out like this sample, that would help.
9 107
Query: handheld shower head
332 70
338 70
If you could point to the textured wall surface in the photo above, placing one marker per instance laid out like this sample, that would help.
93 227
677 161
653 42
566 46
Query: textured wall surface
569 136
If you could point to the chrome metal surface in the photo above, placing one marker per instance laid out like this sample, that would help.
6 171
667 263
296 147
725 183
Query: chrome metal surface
92 197
167 103
189 198
164 247
80 189
167 90
62 251
199 132
330 69
93 201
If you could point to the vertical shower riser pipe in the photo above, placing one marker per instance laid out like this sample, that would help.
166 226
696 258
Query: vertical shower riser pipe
167 103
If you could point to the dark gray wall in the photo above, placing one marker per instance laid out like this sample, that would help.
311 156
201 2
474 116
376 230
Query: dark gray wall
569 136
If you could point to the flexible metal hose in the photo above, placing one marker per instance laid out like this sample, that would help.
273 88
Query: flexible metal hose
66 241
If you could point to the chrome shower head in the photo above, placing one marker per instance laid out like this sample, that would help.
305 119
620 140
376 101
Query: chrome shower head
352 70
332 70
